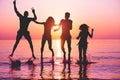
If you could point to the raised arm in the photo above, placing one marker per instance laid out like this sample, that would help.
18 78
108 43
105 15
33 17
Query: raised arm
35 17
91 35
57 28
18 14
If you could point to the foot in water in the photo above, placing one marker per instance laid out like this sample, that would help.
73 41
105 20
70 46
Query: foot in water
65 61
34 57
82 62
11 55
30 61
52 60
79 62
15 63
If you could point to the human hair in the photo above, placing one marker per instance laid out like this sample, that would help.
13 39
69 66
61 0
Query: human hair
67 15
50 20
84 27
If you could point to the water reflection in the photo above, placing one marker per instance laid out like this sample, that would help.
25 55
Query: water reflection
42 71
83 72
31 67
16 66
63 73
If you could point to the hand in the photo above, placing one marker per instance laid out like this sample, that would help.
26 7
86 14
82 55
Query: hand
77 37
14 2
33 10
92 30
55 30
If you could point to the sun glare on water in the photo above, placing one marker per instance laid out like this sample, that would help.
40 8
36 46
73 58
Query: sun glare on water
58 49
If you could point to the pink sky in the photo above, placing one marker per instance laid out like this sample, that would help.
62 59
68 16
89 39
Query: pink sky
102 15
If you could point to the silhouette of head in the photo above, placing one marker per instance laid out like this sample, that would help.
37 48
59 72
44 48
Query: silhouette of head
67 15
26 13
50 21
84 27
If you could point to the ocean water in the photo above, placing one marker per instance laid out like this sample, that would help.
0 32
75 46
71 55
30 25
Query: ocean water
104 52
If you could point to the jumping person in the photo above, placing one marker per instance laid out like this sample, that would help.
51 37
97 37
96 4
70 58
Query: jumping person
23 31
47 35
66 25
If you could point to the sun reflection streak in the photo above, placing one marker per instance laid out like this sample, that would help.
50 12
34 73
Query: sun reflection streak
58 48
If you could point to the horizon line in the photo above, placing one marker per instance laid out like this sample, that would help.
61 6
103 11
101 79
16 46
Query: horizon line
59 38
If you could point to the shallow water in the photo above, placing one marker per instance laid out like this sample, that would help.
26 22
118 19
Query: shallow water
105 53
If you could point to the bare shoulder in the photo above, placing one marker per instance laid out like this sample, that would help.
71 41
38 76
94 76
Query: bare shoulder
62 20
70 20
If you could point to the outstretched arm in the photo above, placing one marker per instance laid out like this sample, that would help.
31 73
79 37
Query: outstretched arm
57 28
91 35
58 25
18 14
39 22
35 17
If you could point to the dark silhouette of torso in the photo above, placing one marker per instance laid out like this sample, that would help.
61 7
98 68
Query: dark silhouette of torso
66 27
83 39
47 28
24 23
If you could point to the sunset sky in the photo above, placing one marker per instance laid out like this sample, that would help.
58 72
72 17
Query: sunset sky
102 15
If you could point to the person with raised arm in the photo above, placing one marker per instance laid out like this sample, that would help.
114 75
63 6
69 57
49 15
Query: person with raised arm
23 30
48 24
83 44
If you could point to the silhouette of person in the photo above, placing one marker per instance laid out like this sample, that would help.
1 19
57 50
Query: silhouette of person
47 35
82 44
66 25
24 22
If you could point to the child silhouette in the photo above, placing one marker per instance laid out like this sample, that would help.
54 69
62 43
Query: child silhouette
82 44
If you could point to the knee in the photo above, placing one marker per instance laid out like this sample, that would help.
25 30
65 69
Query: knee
69 48
62 48
50 48
42 49
84 54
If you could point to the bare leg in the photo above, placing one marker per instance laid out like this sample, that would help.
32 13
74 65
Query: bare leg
27 36
16 43
62 47
84 54
80 53
42 47
69 48
50 47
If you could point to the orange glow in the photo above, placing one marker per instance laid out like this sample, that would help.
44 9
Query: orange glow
56 34
58 49
104 16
